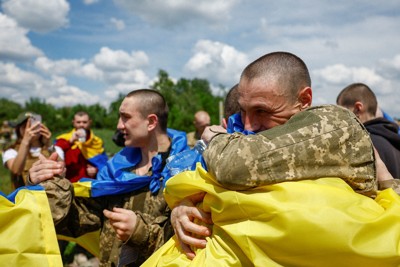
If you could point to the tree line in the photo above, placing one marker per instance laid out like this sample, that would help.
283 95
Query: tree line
184 98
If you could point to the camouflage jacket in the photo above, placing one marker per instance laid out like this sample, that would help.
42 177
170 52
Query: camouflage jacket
74 216
322 141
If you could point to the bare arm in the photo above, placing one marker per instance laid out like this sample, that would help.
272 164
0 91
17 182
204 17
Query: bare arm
16 165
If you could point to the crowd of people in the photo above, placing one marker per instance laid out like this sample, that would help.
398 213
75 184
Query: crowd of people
270 136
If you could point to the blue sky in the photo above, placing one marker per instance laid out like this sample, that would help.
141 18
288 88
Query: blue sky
90 51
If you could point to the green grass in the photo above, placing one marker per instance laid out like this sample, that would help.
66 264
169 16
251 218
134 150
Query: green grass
109 146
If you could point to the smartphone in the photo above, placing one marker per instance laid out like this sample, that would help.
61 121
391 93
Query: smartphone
36 118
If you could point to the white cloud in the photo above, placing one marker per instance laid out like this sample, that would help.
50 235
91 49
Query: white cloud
218 62
38 15
19 85
90 2
109 66
339 74
112 92
110 60
67 95
118 24
59 67
14 44
330 80
117 70
390 67
173 12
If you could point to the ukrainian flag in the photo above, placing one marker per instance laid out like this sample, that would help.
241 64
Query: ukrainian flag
92 149
27 233
116 178
319 222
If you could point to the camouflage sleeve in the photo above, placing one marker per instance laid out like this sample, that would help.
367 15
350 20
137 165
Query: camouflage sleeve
153 229
72 216
393 183
325 141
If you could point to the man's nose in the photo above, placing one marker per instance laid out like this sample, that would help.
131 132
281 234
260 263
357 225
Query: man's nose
250 124
120 125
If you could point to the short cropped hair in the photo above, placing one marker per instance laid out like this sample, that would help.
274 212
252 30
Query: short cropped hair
152 102
358 92
285 68
81 113
231 104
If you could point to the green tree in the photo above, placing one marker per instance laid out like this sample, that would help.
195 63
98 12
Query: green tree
185 98
113 113
47 111
9 110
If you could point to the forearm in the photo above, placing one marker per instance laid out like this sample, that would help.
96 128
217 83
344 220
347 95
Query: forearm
18 163
72 216
149 231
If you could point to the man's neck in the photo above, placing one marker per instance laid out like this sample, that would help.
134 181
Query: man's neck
158 142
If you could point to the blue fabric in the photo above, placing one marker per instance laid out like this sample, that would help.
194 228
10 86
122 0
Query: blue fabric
116 176
235 125
99 161
11 196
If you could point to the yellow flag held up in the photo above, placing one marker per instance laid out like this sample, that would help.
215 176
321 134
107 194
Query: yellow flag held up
305 223
27 234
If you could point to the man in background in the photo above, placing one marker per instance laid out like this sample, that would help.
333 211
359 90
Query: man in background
81 150
201 121
361 100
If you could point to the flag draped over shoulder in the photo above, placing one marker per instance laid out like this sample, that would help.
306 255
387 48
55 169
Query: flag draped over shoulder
92 149
116 177
319 222
27 233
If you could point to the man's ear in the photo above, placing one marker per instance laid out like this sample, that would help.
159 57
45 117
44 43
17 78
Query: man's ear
224 123
359 106
305 97
153 121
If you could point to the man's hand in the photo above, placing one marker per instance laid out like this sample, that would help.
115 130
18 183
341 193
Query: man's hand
211 131
182 218
45 169
91 170
382 173
123 221
45 132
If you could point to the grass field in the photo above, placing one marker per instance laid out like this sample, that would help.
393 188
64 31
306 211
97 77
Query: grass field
109 146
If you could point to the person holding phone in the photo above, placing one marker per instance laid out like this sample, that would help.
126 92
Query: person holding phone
33 139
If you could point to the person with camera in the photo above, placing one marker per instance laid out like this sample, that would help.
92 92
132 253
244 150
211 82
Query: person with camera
33 139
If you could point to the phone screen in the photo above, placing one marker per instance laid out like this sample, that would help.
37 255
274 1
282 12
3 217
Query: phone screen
36 118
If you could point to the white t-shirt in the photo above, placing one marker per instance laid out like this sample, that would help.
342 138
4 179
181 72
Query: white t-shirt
11 153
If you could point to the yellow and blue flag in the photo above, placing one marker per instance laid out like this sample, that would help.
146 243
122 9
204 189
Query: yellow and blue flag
116 176
320 222
92 149
27 233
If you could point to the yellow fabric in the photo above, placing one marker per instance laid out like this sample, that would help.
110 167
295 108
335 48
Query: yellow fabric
92 147
89 241
306 223
82 189
27 234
